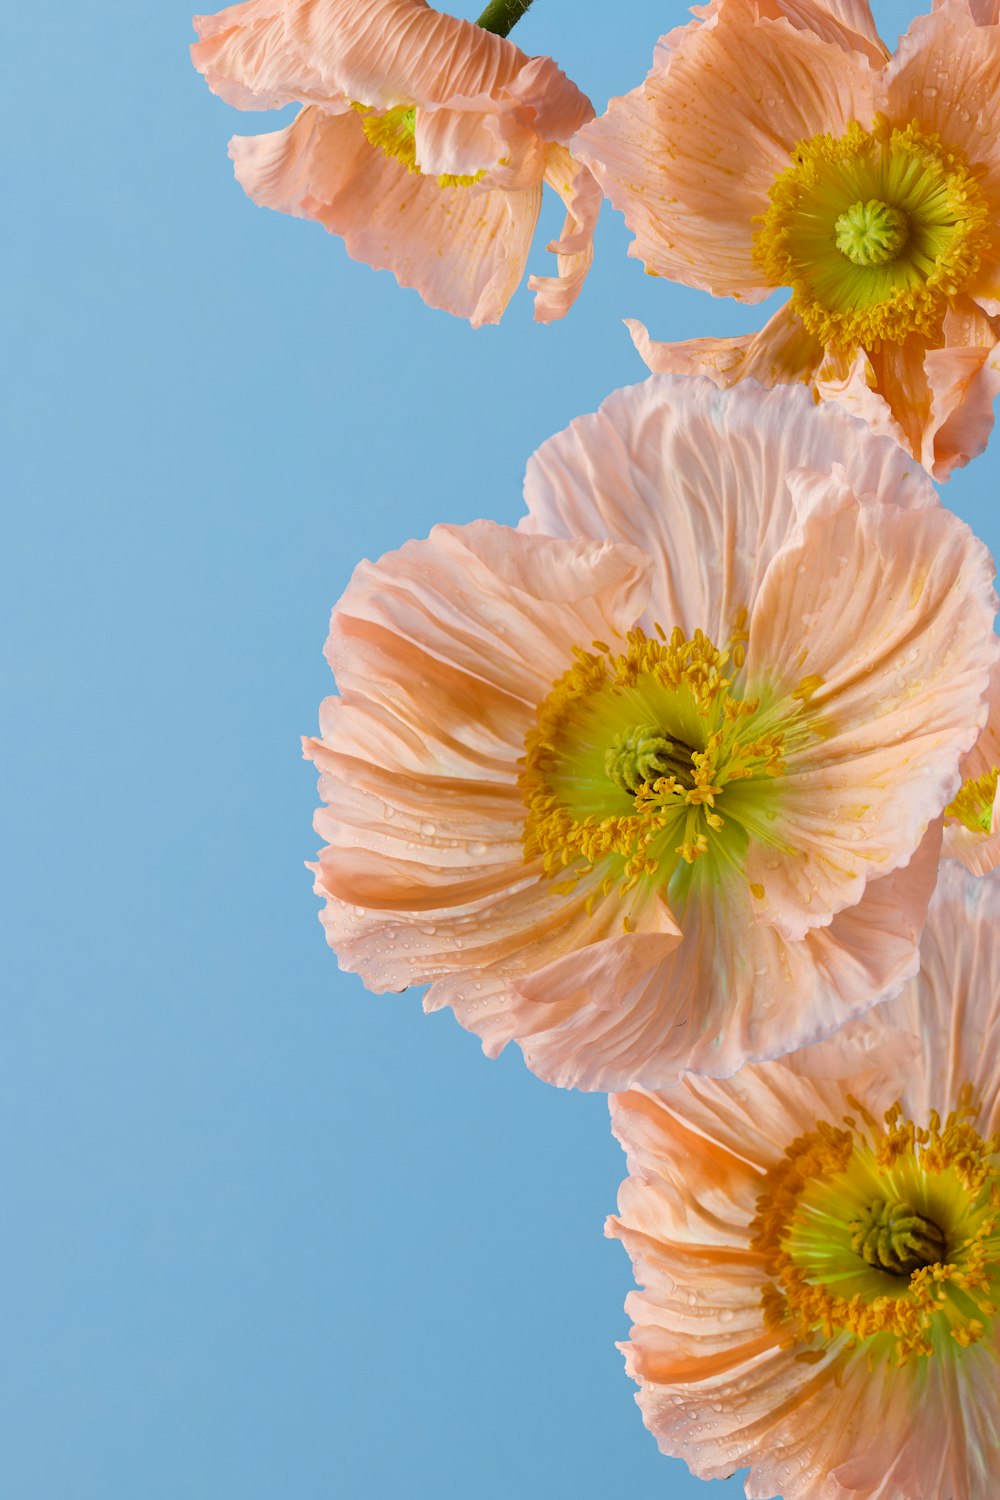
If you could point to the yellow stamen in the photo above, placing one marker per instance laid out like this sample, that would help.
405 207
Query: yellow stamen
874 231
973 804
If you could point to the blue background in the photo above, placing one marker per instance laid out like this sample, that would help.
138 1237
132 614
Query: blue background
263 1235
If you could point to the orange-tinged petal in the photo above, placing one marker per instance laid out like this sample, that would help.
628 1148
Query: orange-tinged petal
690 155
783 352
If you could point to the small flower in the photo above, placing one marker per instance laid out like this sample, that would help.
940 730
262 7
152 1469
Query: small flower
972 818
782 147
646 785
818 1244
423 142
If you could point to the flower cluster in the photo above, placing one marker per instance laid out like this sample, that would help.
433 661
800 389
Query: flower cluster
687 785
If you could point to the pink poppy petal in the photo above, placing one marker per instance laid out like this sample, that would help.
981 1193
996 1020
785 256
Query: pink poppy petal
462 249
946 75
963 378
849 23
954 1005
376 52
663 1016
891 612
780 353
504 608
774 85
576 186
697 478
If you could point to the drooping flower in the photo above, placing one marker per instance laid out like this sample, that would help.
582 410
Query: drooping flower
818 1240
658 802
423 142
972 822
777 145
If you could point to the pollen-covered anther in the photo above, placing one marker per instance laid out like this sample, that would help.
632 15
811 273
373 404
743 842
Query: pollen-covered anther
893 1237
872 233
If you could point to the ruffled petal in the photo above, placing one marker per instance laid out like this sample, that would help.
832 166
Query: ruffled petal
576 186
730 990
463 249
849 23
690 155
954 1004
780 353
887 615
375 52
945 74
698 479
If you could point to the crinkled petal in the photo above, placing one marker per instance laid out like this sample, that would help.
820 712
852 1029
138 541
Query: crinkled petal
462 249
730 991
780 353
576 186
698 479
945 74
375 52
887 615
954 1004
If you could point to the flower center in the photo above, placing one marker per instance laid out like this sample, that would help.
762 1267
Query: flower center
874 231
651 760
395 135
886 1235
972 805
893 1237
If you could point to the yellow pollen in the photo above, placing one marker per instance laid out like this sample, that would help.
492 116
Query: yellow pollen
874 231
885 1236
647 759
972 806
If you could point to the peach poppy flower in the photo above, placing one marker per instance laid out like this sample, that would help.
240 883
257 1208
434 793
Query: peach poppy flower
818 1243
776 144
972 822
655 802
424 142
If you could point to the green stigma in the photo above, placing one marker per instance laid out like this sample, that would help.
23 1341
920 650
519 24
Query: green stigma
893 1237
872 233
640 755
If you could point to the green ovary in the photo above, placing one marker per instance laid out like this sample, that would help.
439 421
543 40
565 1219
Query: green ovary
872 233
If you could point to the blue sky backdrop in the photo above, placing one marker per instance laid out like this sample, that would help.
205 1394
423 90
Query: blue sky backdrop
264 1237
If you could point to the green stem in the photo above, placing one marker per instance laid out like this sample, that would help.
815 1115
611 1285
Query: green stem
501 16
